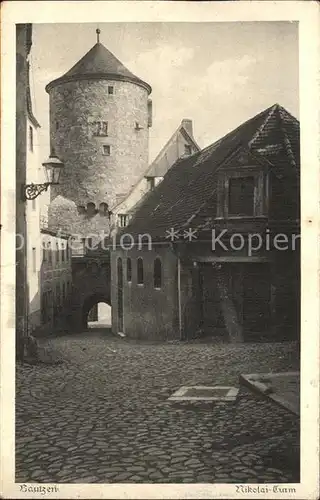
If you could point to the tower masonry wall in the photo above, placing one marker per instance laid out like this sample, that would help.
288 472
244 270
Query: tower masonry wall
102 138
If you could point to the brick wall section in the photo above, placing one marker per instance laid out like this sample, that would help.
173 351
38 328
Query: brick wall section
90 175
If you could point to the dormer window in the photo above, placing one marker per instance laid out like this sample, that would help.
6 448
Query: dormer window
241 196
187 149
242 193
106 149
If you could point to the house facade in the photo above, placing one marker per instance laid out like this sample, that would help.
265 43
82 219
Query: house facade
181 144
34 174
214 250
56 282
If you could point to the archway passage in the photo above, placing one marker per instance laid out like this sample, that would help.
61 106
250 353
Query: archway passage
96 312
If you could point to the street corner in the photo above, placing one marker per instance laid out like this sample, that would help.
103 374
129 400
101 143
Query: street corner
282 388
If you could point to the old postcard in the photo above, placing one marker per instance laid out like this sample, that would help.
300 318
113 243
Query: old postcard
159 250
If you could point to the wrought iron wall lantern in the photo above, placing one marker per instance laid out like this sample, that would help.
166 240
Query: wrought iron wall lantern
53 168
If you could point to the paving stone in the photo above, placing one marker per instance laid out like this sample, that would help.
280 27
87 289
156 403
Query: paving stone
100 418
122 477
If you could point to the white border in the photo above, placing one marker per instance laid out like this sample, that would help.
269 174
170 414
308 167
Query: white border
307 13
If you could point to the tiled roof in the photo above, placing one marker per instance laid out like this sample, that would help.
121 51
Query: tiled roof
271 136
99 63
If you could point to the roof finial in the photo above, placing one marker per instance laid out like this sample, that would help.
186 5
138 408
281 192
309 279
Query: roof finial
98 33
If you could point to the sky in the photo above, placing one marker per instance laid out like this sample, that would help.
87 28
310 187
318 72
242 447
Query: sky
217 74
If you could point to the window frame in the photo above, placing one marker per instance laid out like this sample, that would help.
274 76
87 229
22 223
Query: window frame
129 270
121 218
157 277
140 272
260 192
100 128
109 150
231 199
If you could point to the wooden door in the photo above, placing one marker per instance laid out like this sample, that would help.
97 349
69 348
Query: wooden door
256 300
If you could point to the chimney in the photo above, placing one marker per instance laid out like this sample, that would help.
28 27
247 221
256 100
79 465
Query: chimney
187 124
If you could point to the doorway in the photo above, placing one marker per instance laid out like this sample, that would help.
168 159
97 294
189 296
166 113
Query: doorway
99 316
96 312
237 293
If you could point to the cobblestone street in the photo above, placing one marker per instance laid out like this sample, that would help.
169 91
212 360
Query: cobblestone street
103 415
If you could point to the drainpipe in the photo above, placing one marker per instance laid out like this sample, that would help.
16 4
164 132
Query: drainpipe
179 298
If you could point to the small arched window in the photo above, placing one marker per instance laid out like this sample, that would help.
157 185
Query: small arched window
91 209
157 273
129 270
103 208
140 271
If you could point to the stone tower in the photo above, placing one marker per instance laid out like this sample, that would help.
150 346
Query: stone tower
100 114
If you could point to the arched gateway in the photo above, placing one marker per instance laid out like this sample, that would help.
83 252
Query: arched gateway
91 285
89 303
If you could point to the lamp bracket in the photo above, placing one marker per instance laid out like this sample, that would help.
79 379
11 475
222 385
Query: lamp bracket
32 191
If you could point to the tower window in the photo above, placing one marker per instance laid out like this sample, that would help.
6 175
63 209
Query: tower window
103 208
30 138
110 90
57 125
100 128
106 150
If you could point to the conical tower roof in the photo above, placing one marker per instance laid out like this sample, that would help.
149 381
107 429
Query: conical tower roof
99 64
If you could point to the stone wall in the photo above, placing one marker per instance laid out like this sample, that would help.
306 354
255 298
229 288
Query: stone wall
149 313
79 111
56 280
91 285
